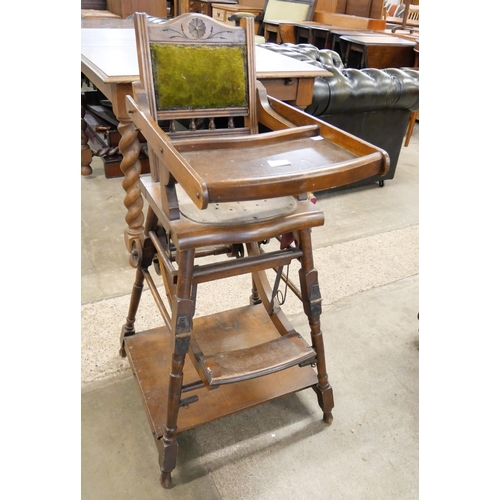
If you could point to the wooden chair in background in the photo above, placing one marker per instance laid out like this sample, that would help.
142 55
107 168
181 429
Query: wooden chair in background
231 170
277 12
413 12
410 15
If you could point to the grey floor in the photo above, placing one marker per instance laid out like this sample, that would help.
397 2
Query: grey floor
367 258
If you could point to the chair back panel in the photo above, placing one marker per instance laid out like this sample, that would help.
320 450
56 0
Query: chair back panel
194 67
413 12
289 10
178 85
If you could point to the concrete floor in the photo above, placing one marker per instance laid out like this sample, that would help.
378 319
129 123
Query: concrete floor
367 259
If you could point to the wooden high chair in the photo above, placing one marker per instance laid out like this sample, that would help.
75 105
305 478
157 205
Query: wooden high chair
230 170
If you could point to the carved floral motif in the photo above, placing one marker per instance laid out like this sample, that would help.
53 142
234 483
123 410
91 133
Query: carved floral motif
197 29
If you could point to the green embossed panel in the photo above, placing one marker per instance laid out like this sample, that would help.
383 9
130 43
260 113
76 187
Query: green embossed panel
202 76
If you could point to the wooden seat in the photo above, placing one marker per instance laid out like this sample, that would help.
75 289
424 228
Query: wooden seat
410 15
231 170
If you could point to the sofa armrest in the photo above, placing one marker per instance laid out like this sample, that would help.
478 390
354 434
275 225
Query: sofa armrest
323 58
238 16
353 90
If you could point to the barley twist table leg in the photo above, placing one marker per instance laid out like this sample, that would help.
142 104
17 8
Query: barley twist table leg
131 168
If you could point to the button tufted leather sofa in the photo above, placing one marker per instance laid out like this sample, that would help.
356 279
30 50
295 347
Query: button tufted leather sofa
373 104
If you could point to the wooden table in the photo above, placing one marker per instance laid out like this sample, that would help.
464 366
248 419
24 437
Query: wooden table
324 36
109 61
378 51
314 33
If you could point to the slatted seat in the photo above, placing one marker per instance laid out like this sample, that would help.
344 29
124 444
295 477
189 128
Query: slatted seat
231 169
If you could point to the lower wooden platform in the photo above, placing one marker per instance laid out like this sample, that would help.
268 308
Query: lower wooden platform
149 355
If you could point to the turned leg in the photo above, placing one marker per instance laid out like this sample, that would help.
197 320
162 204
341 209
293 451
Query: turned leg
128 328
255 297
182 323
311 298
411 125
168 457
86 151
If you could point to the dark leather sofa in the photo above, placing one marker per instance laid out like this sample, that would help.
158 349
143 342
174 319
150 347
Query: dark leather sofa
373 104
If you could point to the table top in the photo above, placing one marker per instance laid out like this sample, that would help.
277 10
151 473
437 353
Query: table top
111 54
378 39
348 32
224 2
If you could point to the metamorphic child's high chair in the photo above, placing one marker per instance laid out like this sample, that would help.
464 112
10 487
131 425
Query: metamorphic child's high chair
231 172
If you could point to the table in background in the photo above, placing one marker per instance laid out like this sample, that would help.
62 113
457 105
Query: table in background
377 51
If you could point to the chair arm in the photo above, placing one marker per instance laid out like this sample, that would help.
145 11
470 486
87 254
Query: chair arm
238 16
166 153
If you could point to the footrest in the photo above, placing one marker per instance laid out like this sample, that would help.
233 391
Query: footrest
242 344
252 362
